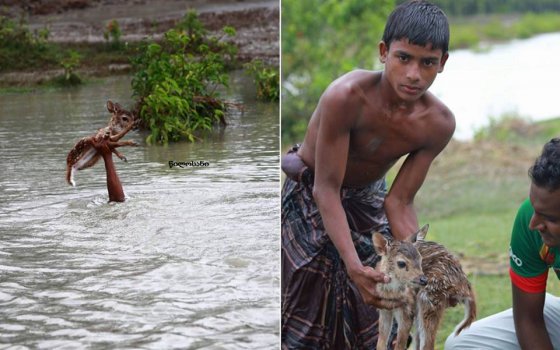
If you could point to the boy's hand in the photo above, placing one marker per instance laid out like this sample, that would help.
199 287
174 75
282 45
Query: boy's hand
102 146
366 278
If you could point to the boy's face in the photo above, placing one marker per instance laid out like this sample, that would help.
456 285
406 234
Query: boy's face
411 69
546 218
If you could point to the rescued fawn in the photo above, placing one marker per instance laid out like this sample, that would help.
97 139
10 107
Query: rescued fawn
84 155
428 279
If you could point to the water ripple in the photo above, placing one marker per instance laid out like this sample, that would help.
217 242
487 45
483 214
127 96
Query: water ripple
186 262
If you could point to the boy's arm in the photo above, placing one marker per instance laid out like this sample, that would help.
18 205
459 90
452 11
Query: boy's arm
529 320
528 273
338 114
399 203
114 186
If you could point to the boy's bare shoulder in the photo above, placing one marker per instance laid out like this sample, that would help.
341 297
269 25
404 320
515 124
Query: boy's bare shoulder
358 78
350 87
442 117
441 110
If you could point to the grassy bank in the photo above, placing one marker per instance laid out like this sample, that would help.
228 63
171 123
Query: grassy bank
470 199
471 32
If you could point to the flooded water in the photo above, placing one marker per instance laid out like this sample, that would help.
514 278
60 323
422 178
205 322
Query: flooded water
189 261
515 77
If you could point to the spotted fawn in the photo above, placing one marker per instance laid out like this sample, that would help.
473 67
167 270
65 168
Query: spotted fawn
84 155
428 279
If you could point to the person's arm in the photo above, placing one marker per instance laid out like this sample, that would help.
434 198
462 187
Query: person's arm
399 203
529 320
114 186
528 274
338 114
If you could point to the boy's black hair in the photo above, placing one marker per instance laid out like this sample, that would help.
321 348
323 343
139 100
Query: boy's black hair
420 22
545 173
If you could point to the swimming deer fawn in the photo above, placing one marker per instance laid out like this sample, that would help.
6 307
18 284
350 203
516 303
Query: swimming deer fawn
428 279
84 155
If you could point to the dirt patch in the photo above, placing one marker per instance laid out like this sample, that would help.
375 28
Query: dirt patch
41 7
492 265
485 159
84 21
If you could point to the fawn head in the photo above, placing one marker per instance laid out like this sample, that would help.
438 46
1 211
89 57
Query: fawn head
120 117
401 260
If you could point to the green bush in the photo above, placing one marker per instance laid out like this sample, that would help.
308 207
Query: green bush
531 24
496 30
69 64
267 80
20 48
112 34
463 37
175 81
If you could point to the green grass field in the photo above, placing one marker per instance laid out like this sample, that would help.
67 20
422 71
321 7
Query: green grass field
470 199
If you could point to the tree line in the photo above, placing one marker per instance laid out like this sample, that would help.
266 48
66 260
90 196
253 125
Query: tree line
476 7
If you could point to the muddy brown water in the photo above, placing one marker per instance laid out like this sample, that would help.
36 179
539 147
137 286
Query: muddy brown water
189 261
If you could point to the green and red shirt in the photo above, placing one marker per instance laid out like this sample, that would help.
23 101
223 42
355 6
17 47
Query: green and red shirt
530 259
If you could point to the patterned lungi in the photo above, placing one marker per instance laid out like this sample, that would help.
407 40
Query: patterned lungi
321 307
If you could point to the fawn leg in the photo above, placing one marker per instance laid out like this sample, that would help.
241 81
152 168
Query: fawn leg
388 304
385 323
404 318
115 144
122 133
428 324
119 154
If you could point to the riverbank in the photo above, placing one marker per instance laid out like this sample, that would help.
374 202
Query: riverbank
80 26
475 32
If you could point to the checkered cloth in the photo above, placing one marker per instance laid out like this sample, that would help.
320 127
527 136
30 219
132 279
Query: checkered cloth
321 307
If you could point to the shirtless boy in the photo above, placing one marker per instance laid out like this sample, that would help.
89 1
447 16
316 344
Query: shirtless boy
335 194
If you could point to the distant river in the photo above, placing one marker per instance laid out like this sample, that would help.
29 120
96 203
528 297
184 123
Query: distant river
518 76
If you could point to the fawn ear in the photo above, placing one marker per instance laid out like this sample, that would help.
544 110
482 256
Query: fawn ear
421 234
380 243
110 107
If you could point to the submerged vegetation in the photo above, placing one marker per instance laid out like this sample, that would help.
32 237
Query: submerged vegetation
69 64
267 80
176 81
